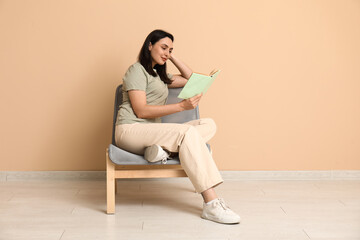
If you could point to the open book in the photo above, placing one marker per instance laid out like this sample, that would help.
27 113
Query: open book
198 83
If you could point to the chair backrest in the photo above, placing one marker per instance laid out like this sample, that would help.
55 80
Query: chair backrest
179 117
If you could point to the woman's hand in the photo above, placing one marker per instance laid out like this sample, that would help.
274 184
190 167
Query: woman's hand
183 69
191 103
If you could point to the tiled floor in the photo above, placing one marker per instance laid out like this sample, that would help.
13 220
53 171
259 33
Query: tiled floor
169 209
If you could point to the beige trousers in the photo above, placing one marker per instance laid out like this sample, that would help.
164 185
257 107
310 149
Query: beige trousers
188 139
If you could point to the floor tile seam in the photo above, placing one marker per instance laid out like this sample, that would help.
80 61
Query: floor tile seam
227 175
62 234
306 233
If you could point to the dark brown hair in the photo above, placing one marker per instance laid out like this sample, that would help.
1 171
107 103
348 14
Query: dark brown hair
145 56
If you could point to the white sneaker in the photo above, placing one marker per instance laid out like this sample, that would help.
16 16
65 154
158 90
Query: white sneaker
217 211
155 153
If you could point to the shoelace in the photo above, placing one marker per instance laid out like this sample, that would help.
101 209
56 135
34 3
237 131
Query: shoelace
164 160
222 204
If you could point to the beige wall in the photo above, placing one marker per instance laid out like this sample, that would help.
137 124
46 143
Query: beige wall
288 97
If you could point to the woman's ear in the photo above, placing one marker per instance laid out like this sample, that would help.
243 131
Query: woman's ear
150 47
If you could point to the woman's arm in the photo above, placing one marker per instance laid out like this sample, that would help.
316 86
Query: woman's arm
143 110
184 70
179 80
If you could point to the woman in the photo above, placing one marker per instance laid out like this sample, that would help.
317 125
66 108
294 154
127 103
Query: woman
139 129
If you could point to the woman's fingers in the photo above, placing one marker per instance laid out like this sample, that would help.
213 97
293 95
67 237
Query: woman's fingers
195 100
197 97
192 102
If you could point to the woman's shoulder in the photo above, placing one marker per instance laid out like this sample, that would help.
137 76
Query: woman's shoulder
136 67
136 72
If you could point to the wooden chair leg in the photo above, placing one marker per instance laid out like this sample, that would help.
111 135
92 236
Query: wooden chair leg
116 183
110 184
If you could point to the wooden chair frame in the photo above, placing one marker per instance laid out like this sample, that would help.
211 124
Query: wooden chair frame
114 171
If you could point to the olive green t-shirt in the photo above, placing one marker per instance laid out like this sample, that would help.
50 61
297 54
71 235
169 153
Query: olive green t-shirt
137 78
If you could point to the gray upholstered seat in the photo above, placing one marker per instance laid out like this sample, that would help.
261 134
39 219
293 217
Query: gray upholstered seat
122 157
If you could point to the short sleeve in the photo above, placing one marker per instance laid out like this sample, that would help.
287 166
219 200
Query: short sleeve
170 76
135 79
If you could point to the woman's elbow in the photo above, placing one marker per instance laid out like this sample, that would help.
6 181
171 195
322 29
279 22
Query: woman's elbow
189 75
140 114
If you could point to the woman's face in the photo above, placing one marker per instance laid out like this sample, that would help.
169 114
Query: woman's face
161 51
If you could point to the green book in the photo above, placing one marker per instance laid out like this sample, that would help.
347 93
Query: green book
198 83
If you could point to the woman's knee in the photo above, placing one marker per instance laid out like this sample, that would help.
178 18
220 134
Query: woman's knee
191 132
210 123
